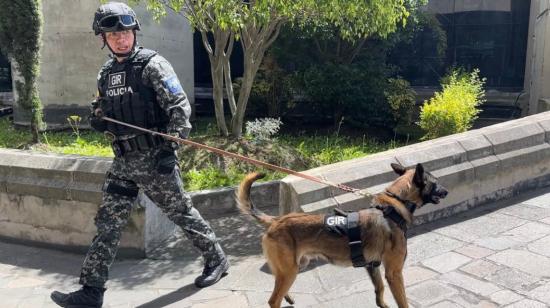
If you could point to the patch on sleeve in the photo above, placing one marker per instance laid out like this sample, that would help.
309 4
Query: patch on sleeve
173 85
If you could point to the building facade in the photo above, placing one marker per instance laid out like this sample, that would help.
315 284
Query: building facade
505 39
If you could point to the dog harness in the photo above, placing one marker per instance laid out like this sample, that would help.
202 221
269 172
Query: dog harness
347 224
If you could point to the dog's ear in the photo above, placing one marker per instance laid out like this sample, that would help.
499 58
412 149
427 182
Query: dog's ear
398 168
419 175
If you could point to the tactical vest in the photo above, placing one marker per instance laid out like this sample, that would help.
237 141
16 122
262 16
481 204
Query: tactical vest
126 98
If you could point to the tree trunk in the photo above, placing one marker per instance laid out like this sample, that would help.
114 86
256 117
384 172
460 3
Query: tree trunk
255 42
217 57
250 70
227 75
217 93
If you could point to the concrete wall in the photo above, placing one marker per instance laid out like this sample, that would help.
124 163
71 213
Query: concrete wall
72 56
51 200
477 167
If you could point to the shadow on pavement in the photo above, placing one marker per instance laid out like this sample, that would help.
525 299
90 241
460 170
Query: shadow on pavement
172 297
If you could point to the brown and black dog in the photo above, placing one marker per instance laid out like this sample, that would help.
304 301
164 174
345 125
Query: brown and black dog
294 236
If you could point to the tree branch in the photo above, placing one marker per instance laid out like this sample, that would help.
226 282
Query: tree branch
356 51
206 44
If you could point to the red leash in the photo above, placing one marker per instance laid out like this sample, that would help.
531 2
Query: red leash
241 157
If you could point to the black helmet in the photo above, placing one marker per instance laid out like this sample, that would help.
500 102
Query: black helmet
114 16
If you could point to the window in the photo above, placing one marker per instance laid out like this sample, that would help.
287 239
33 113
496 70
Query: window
5 75
487 34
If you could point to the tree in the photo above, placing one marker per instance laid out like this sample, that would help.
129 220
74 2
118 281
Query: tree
20 30
256 24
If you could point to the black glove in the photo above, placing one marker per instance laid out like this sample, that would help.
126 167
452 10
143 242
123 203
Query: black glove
95 118
166 159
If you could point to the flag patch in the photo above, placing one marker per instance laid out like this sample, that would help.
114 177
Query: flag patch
173 85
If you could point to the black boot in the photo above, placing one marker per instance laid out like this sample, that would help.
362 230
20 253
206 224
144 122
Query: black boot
87 297
211 275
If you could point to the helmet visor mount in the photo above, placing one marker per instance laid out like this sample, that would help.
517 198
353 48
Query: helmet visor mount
117 23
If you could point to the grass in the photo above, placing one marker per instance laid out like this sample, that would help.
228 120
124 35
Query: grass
87 143
317 150
326 150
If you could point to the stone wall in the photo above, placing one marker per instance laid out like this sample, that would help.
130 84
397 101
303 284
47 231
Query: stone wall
477 167
51 200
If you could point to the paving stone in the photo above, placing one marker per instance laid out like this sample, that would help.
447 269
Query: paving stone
133 298
469 300
525 211
427 245
545 220
480 268
498 243
416 274
471 284
24 282
446 262
6 268
10 302
542 293
333 277
363 299
527 303
481 227
5 279
542 201
32 302
473 275
234 301
525 261
259 299
429 292
512 279
446 304
363 286
505 297
541 246
474 251
528 232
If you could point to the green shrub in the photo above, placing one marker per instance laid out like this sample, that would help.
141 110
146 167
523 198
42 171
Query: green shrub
454 109
401 98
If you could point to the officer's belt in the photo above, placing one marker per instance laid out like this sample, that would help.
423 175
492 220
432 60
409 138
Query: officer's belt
138 143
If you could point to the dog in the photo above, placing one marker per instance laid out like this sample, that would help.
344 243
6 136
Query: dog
290 238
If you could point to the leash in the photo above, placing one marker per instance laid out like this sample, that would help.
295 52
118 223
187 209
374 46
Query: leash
243 158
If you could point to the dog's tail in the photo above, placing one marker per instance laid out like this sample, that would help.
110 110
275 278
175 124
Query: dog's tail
245 204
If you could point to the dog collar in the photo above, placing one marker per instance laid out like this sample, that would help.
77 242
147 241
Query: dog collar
411 206
391 213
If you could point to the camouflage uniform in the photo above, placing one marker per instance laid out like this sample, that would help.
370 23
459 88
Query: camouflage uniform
137 170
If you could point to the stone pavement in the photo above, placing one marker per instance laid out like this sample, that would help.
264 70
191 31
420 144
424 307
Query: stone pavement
496 256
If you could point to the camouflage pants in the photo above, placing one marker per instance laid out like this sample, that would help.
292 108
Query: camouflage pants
128 174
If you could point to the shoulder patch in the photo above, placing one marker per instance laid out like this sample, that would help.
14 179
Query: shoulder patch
173 85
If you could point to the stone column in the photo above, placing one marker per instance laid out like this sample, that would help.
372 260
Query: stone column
537 70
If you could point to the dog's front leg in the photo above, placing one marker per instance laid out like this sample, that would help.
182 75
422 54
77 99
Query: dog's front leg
376 277
394 276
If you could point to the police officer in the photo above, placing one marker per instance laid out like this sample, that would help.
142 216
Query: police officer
139 87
